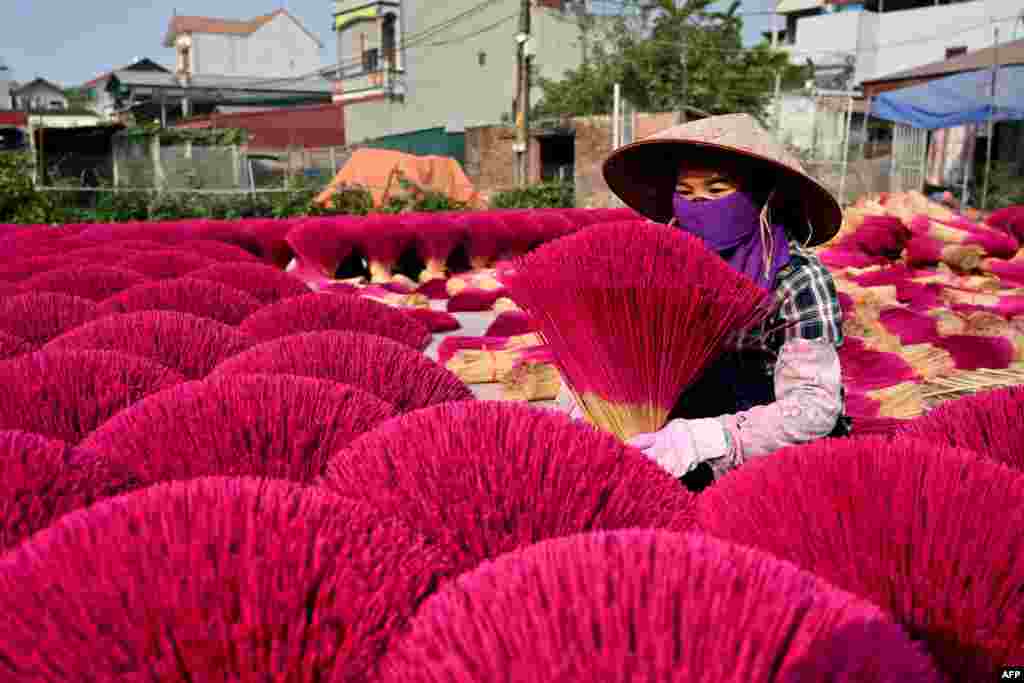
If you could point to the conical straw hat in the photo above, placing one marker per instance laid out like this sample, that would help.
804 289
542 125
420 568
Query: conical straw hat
643 174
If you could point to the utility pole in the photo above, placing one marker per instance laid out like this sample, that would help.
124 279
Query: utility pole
681 114
991 118
522 146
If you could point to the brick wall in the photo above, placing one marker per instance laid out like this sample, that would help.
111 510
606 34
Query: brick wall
594 144
490 161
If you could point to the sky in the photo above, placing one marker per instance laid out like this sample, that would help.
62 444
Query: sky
72 42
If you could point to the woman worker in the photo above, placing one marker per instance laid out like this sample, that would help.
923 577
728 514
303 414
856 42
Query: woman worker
726 180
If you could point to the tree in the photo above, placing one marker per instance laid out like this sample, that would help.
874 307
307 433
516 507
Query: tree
688 49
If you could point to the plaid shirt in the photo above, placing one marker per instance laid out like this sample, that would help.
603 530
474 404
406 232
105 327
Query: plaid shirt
809 307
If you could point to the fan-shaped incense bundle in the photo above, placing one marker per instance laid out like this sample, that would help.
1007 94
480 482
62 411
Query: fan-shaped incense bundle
991 242
508 324
972 352
481 478
399 375
848 257
434 289
1010 220
645 605
44 479
866 369
486 233
67 394
322 244
950 565
213 579
222 252
435 237
38 317
633 312
990 423
435 321
165 265
278 426
203 298
95 283
911 327
474 300
383 239
924 250
1004 304
316 312
187 343
271 236
265 284
1011 271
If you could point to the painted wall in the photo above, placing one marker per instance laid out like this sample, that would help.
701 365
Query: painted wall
40 96
894 41
444 80
278 49
5 94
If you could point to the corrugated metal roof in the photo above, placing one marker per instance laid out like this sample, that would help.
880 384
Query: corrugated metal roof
1009 53
309 127
789 6
144 79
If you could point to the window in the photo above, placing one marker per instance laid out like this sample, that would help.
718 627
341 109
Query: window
481 58
388 41
185 65
371 60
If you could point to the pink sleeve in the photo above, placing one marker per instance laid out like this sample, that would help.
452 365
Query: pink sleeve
809 401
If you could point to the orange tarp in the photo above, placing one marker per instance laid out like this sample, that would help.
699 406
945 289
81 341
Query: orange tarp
379 170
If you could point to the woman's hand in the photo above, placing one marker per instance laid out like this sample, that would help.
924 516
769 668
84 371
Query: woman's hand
681 445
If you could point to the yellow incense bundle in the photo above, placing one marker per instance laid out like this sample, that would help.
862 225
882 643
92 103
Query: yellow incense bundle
402 300
531 381
903 401
948 323
504 305
927 360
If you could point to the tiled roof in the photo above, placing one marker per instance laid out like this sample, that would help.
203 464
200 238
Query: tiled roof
108 74
192 24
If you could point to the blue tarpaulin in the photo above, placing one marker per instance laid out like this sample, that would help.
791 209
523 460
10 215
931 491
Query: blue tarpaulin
955 100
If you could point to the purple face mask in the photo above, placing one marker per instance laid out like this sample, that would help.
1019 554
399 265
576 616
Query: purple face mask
731 227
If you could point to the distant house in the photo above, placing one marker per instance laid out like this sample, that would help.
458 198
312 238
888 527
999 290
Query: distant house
434 69
40 95
100 100
274 45
5 88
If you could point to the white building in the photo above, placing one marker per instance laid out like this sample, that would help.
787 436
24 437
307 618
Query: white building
851 42
411 65
273 45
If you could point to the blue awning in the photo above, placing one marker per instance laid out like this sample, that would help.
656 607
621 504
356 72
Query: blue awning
955 100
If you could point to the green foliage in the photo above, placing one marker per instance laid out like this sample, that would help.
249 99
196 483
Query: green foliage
553 195
1006 185
211 137
719 77
413 197
20 202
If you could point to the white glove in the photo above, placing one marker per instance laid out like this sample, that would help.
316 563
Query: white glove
681 445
